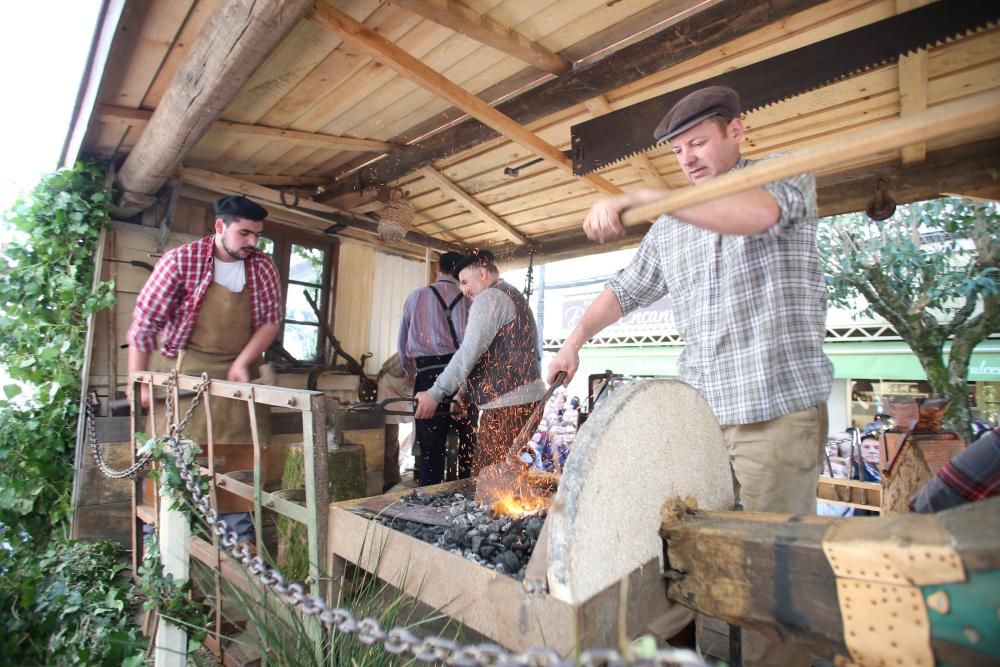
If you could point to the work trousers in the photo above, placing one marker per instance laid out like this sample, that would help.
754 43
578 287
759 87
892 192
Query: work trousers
776 465
431 434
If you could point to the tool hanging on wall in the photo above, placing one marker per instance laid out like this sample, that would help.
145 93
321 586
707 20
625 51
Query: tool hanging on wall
367 389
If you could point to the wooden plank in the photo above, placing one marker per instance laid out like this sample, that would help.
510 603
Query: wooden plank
481 28
470 202
974 113
913 98
413 69
207 81
140 117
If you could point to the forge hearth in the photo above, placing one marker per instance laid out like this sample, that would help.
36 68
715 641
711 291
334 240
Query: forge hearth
591 562
502 543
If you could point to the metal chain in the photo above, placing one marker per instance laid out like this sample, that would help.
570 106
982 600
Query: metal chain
140 463
397 641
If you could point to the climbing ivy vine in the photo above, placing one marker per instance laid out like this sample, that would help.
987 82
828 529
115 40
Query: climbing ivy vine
46 294
62 602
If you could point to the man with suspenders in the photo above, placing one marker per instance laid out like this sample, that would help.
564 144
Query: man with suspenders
430 332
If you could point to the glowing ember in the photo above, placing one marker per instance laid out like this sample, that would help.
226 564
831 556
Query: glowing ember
518 506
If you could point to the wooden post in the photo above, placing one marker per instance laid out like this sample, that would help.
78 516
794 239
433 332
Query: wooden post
175 534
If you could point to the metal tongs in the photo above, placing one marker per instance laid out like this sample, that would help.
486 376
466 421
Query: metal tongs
382 407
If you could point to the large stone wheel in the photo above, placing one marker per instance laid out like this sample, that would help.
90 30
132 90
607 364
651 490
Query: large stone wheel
646 443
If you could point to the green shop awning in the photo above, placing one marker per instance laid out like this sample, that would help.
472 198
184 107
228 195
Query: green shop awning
890 360
895 361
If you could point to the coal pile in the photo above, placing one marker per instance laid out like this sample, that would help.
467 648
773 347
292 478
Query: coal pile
500 543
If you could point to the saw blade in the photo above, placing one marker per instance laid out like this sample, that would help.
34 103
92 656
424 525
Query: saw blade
621 134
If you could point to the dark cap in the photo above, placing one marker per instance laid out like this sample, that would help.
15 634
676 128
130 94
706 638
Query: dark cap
447 262
482 257
696 107
241 207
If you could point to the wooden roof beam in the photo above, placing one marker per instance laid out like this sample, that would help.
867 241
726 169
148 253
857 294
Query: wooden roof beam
481 28
138 118
228 185
411 68
469 202
236 39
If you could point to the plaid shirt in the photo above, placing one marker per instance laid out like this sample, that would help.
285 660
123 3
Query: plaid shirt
171 298
751 309
972 474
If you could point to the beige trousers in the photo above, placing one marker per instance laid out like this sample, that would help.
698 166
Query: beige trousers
776 465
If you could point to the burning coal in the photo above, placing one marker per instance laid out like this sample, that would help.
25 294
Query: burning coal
501 540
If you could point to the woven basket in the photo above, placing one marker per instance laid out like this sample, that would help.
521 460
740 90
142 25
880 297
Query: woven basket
397 217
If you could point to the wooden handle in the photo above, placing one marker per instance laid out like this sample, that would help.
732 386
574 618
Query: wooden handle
979 111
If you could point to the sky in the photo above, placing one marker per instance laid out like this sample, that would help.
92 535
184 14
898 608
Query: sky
43 50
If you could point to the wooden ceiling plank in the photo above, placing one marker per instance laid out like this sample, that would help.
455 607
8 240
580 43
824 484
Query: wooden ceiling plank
205 83
702 32
147 32
408 66
474 206
453 14
193 24
140 117
279 180
913 98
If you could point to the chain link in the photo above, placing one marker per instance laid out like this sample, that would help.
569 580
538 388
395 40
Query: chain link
397 641
140 463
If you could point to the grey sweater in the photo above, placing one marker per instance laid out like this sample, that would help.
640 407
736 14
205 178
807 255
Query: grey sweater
490 310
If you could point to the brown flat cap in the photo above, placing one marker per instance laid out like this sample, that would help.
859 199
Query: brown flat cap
696 107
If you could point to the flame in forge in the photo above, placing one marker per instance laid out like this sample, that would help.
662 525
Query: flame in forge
518 506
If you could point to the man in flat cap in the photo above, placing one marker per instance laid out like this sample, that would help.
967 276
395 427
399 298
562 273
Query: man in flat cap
430 332
497 365
749 299
213 305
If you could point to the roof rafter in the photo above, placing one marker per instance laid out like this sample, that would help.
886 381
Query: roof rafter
140 117
462 19
465 199
416 71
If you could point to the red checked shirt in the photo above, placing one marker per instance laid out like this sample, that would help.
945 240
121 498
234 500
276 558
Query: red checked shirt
171 299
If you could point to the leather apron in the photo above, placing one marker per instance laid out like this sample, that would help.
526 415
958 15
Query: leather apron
220 334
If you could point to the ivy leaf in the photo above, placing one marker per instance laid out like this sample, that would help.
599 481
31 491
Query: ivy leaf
11 390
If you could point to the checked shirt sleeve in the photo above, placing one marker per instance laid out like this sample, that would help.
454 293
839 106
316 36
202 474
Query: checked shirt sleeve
641 283
267 308
796 197
159 298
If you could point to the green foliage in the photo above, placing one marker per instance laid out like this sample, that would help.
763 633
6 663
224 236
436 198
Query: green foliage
46 280
933 272
170 598
65 605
